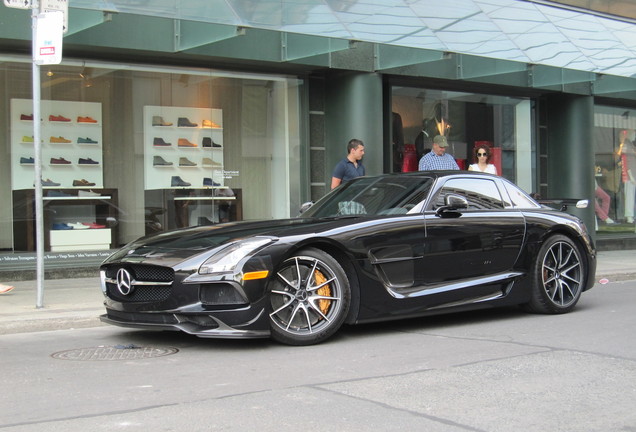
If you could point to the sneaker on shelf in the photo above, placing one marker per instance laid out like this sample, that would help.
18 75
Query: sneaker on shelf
86 120
57 194
27 161
185 122
86 140
158 121
185 162
59 161
82 183
159 142
209 124
208 142
59 140
159 161
78 225
208 162
61 226
88 193
94 225
177 181
26 117
185 143
27 139
58 118
5 288
87 161
49 182
209 182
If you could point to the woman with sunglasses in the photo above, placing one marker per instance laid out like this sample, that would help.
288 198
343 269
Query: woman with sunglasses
482 156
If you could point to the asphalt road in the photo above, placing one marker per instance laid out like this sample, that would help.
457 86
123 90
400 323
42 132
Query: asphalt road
500 370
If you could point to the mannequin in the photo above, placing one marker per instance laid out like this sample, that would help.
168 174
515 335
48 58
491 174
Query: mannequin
627 153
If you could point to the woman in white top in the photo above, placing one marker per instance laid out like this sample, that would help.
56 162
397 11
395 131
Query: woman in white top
482 156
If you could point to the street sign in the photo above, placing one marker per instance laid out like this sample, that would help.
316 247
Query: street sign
56 5
18 4
47 46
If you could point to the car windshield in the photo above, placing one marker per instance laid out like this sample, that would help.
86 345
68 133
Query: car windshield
390 195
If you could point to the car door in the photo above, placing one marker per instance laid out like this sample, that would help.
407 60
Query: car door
465 246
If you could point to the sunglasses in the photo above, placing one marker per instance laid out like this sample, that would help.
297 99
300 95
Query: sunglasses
481 154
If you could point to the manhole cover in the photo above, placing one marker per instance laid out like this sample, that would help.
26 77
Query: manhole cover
117 352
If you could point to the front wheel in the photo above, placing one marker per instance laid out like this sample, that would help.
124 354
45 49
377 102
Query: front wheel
559 277
309 298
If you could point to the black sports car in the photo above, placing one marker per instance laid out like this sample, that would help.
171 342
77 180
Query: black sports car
376 248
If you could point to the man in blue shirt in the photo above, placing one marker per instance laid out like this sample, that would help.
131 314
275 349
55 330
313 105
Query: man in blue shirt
351 166
437 158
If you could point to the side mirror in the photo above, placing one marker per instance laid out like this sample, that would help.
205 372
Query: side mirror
452 203
305 207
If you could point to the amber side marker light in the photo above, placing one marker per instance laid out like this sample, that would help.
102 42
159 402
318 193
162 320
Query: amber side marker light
255 275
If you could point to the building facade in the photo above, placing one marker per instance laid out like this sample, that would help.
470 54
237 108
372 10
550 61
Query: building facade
181 113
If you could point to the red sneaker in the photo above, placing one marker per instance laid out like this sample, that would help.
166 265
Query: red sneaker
59 118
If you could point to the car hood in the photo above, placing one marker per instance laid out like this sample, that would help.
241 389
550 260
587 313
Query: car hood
171 247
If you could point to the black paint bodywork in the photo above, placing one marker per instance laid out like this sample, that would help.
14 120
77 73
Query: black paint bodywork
399 265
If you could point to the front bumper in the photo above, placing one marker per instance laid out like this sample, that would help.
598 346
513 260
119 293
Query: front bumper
205 325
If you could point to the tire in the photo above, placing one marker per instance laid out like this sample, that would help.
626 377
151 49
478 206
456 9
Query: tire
558 277
309 298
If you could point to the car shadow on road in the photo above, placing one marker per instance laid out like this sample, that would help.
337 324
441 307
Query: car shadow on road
431 323
184 341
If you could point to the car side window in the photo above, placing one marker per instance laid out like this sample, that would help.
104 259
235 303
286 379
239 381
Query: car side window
519 198
482 194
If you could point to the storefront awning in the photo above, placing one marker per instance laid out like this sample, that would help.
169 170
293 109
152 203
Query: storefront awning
512 42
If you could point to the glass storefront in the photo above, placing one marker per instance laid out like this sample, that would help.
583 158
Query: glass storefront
128 151
468 121
615 169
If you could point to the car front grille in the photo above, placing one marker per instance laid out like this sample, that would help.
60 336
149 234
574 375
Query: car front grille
150 283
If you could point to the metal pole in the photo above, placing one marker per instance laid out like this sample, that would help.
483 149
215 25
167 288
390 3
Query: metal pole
37 144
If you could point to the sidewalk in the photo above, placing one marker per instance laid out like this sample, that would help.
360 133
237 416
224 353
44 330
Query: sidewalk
77 303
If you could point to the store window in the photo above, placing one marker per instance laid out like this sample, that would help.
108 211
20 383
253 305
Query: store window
128 151
469 121
615 169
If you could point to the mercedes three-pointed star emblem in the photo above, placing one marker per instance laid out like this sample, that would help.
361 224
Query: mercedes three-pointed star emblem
124 281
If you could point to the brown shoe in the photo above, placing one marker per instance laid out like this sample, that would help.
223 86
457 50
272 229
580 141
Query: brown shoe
185 143
82 182
86 120
59 161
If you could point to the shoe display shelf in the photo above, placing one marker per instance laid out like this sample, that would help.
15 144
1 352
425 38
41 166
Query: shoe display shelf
69 132
183 208
95 207
183 148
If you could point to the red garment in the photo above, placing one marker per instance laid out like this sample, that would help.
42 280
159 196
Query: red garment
409 161
624 168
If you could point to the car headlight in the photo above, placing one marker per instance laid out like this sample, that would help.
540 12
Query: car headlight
228 258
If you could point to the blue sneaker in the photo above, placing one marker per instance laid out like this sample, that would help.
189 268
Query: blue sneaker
86 140
61 226
27 161
49 182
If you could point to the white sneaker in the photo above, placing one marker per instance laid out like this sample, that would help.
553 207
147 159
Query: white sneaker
630 219
77 225
609 221
5 288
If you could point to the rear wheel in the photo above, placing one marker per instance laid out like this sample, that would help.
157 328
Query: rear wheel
309 298
559 277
